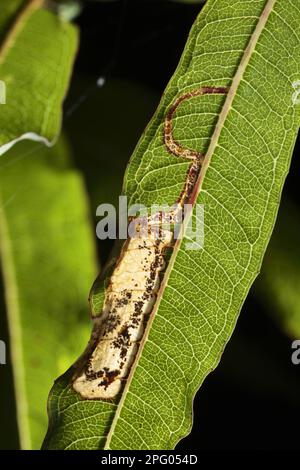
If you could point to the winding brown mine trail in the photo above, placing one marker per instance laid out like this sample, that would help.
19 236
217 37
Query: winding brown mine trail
134 283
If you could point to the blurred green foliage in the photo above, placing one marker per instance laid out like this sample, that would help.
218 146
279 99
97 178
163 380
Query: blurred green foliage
34 88
279 281
45 231
48 262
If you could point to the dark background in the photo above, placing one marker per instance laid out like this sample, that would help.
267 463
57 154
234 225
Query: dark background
252 399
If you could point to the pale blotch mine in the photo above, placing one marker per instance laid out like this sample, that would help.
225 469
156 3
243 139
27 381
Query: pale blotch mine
133 287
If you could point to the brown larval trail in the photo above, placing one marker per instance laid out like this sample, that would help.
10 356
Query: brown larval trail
133 286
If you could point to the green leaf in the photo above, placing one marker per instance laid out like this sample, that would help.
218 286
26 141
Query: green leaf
279 281
248 137
35 82
48 264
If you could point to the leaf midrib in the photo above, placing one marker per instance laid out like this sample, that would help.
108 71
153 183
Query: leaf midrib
17 26
269 6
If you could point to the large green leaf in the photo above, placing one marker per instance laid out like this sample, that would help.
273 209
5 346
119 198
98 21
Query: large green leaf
35 81
36 54
48 263
248 137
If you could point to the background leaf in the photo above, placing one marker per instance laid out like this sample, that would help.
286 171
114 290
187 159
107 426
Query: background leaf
36 56
48 263
279 281
35 87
